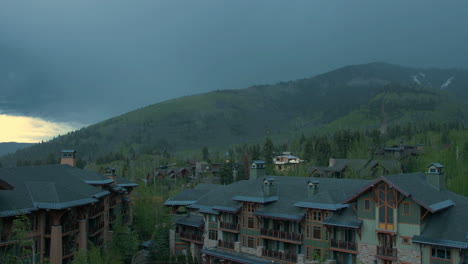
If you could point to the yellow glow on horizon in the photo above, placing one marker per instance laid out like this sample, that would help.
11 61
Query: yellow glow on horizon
30 130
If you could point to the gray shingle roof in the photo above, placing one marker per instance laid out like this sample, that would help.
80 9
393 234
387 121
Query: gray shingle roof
235 256
48 187
344 218
191 220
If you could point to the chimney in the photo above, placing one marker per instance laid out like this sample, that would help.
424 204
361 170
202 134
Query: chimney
435 176
312 186
68 157
268 187
109 172
331 162
257 169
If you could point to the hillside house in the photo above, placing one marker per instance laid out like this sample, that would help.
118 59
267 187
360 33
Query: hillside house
285 161
66 207
401 218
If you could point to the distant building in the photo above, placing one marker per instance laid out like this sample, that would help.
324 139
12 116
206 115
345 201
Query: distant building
66 207
285 161
365 168
402 218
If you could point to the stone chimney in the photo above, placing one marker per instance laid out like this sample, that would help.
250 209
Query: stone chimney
435 176
312 187
331 162
68 157
257 169
109 172
268 186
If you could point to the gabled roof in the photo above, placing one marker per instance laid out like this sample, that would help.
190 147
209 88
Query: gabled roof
415 186
436 164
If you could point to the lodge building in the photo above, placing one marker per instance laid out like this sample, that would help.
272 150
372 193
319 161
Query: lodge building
402 218
66 207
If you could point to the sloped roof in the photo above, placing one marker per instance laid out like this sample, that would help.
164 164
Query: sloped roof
191 220
282 205
48 187
346 217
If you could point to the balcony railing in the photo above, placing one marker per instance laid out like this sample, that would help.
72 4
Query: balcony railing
95 228
289 257
386 252
69 226
291 236
226 244
191 237
341 244
229 226
5 237
67 250
96 210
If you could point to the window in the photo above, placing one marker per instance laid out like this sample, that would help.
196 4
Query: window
317 232
213 234
442 253
406 208
317 216
367 207
386 202
248 241
250 222
405 240
213 218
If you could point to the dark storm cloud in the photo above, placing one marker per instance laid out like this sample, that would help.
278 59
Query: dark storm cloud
88 60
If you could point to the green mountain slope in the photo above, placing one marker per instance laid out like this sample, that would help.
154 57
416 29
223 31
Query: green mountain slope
9 147
404 104
239 116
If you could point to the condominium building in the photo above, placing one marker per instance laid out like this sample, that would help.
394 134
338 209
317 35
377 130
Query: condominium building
402 218
65 207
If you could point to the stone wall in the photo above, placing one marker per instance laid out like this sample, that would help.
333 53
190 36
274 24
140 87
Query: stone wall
410 256
208 243
172 241
366 253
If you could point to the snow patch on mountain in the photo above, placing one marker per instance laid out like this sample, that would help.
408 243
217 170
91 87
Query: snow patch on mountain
416 80
447 83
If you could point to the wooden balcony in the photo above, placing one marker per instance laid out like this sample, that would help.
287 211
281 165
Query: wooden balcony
230 227
95 228
341 245
387 253
281 235
226 244
283 256
95 211
191 237
70 227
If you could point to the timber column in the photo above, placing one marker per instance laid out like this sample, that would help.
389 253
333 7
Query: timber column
83 228
56 240
106 220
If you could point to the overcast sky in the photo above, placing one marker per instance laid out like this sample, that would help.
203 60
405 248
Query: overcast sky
85 61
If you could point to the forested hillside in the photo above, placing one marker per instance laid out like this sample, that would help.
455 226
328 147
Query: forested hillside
370 96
